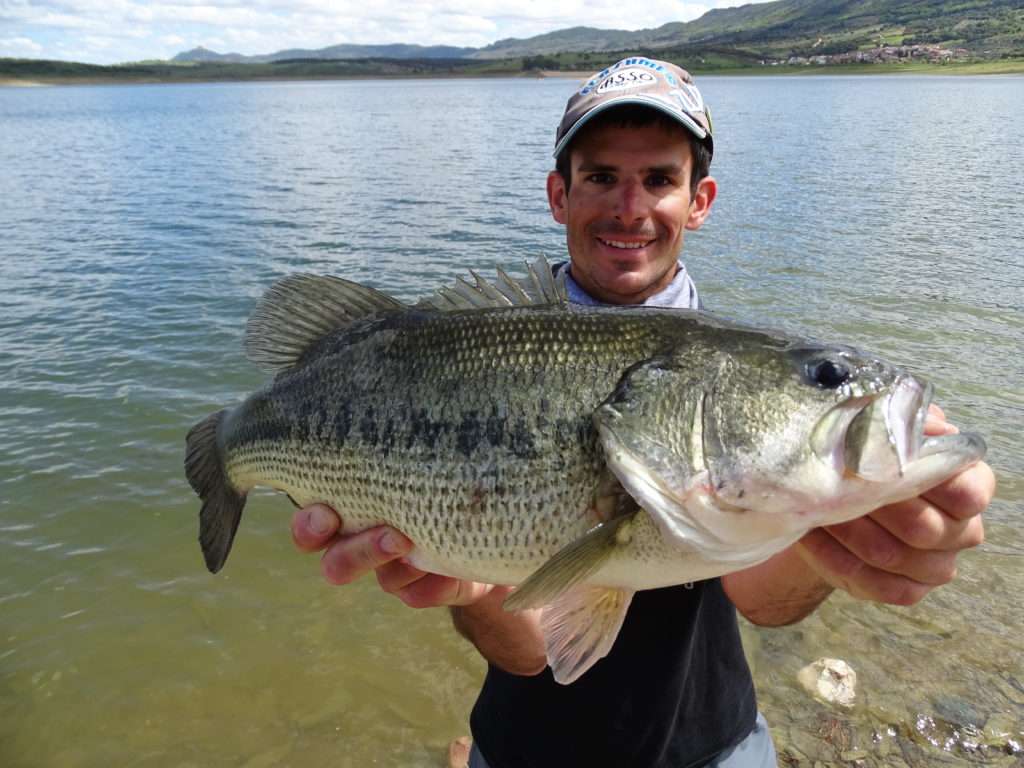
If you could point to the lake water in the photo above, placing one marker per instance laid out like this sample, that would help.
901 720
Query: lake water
139 224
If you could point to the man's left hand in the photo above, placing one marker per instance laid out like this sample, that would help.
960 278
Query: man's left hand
900 552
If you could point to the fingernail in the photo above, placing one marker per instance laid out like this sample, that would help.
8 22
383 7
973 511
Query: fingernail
394 543
937 427
320 521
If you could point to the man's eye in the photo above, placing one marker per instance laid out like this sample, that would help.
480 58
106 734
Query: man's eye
601 178
658 180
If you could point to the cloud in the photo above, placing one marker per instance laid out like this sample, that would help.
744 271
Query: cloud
19 46
138 29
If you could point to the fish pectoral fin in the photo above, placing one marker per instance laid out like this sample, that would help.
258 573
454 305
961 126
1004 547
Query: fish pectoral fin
571 565
300 310
580 628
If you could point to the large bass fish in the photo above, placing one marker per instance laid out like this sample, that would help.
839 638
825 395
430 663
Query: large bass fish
580 452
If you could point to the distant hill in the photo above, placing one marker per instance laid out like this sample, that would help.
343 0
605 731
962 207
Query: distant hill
984 28
794 27
980 36
393 51
204 55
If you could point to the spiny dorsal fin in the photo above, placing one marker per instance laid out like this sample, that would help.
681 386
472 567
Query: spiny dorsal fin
539 288
299 310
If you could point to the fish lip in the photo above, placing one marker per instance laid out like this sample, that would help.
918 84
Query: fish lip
909 396
829 438
969 443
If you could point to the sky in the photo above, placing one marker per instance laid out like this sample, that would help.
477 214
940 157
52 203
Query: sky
114 31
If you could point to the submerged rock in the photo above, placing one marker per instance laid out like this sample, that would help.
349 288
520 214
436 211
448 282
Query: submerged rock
958 711
830 680
1003 730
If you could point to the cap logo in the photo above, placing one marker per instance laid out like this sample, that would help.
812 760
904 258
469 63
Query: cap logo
626 78
689 97
642 82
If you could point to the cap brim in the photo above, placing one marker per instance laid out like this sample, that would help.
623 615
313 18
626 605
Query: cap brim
682 118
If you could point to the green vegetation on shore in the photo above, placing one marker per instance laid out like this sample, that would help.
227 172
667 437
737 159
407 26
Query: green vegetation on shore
298 69
27 71
779 36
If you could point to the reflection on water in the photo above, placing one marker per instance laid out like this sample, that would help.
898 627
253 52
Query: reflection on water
140 224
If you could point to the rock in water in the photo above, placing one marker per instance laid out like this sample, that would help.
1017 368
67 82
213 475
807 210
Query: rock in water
830 680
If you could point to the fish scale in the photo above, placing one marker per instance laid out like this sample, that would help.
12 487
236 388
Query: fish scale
504 468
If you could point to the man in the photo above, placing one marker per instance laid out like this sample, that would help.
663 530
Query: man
631 178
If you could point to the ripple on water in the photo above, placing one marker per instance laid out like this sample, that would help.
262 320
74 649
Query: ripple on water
142 224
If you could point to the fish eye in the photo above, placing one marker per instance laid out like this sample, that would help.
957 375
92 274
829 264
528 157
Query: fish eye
828 373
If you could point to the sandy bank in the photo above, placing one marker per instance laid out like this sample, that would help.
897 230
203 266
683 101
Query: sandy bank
14 83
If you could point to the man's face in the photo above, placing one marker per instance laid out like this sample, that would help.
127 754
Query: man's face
627 208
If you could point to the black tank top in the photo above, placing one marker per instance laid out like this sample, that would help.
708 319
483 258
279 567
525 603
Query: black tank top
674 691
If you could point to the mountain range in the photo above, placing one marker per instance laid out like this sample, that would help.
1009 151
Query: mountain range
985 28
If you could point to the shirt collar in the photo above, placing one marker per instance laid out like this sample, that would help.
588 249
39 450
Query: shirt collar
681 293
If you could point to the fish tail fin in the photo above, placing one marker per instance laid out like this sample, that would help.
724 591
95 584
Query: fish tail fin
222 502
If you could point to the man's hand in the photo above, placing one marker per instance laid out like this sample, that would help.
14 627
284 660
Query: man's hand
513 641
381 549
896 554
900 552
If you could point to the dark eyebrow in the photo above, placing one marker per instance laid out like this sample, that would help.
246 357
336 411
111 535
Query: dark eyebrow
596 168
670 169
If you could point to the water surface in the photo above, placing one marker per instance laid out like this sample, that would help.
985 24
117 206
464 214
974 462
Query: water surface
140 223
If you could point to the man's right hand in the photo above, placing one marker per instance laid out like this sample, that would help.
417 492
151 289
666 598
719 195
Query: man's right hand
513 641
346 557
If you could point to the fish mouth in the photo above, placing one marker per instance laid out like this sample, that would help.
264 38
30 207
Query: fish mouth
877 437
891 426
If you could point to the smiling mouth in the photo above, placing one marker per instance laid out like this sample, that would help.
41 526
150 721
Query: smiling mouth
625 244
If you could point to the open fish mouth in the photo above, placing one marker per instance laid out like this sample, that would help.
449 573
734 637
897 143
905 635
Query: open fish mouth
890 427
878 437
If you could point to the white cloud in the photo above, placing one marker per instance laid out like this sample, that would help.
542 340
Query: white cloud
265 26
213 43
19 46
98 43
67 21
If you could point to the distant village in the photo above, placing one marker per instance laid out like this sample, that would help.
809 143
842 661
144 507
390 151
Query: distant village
880 55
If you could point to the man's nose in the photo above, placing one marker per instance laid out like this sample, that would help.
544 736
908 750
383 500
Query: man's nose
631 203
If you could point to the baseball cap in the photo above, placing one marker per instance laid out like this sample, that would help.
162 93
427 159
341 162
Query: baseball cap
637 80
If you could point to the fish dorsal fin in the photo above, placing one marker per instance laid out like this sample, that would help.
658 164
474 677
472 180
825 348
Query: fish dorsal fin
540 287
299 310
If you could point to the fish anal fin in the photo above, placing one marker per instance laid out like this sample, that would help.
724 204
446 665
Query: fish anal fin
299 310
580 628
571 565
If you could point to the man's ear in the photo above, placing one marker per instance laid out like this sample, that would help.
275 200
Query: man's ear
558 197
700 206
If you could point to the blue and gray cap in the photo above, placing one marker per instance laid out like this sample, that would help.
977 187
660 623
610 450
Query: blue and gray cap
641 81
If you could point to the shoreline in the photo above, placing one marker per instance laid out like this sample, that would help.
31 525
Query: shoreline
997 67
13 82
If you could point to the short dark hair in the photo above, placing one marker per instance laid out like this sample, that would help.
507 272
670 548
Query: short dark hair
634 116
